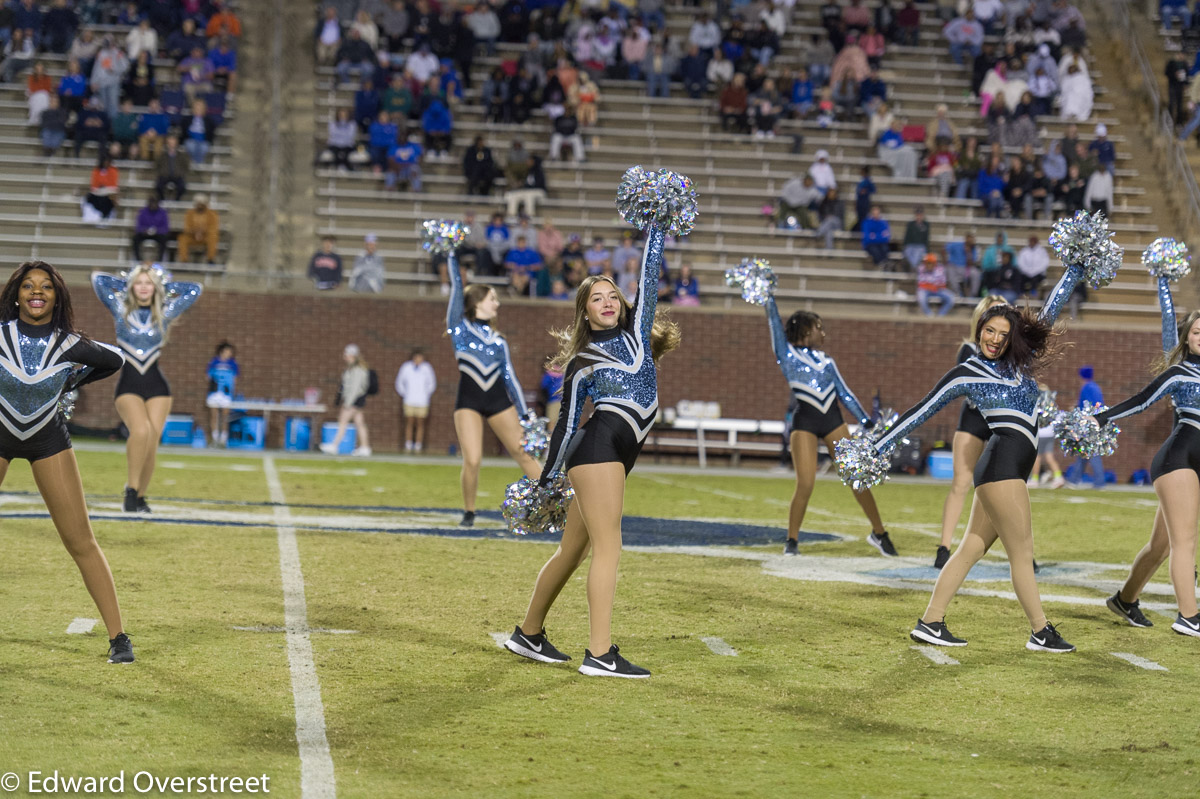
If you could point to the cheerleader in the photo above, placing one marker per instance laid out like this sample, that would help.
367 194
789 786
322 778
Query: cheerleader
1013 345
969 438
43 356
487 384
143 306
1174 471
817 386
609 354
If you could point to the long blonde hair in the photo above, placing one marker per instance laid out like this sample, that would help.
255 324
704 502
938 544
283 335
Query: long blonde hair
156 300
1168 359
980 307
664 335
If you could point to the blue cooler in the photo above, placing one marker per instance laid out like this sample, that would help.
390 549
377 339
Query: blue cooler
178 429
329 430
247 432
297 434
941 464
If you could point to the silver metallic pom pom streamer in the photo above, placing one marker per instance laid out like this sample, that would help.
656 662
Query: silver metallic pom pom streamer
66 404
664 200
443 236
530 510
859 464
1080 435
1167 258
756 279
1047 405
1084 242
536 438
887 420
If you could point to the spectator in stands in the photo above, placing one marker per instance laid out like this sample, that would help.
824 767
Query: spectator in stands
141 38
1005 279
438 127
498 241
18 55
832 213
1032 262
990 14
368 31
932 282
864 191
1054 165
182 41
153 125
573 264
876 237
797 199
139 80
83 50
381 138
734 101
104 192
223 22
1076 96
328 36
1018 185
404 164
822 173
803 95
124 130
872 91
993 257
355 55
108 70
566 130
521 263
53 121
966 171
422 64
1085 160
58 27
658 66
874 45
199 131
908 24
173 168
850 64
479 168
325 267
38 88
27 18
196 74
763 43
152 225
1072 190
393 24
531 189
586 97
900 157
1103 149
766 106
367 276
855 16
941 129
687 288
693 71
597 257
916 238
224 60
1098 196
964 33
880 122
634 47
942 167
962 262
341 139
485 25
92 125
992 186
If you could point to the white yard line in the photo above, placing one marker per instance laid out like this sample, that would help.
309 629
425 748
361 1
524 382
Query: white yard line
81 626
500 638
936 655
316 765
719 647
1140 662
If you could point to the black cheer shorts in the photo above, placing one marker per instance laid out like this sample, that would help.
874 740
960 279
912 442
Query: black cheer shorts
50 440
1181 450
971 421
1008 455
473 398
808 419
147 386
605 438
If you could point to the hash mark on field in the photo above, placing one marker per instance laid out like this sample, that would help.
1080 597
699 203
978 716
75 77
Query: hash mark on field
719 647
270 629
937 656
1140 662
499 638
81 626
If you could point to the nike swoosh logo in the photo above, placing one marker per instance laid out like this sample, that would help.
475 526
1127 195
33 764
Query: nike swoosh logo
613 667
529 643
1038 641
1189 624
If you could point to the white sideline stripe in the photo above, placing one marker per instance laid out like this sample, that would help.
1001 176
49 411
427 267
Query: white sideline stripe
1166 614
937 656
719 647
1140 662
499 638
316 764
271 629
81 626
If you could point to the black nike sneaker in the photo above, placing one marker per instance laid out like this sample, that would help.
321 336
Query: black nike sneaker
943 555
936 633
468 519
131 500
534 647
792 547
142 507
1129 611
883 544
120 649
1047 639
610 664
1187 626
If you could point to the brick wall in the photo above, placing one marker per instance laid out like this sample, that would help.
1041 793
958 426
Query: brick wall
725 357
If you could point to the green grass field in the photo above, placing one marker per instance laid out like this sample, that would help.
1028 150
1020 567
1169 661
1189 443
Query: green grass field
825 697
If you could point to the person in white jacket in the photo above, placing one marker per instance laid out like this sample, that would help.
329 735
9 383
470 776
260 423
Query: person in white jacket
143 37
415 383
1098 196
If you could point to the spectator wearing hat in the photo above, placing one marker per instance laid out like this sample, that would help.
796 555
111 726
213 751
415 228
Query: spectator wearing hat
822 173
201 228
367 276
1103 149
325 267
1089 391
932 282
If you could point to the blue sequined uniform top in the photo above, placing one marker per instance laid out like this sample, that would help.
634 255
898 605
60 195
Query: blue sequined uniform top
615 369
37 365
1170 330
1007 399
137 335
813 376
481 352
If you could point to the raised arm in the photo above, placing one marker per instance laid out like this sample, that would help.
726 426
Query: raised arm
1152 393
515 392
1061 293
847 396
1170 329
183 295
779 342
454 310
574 395
953 384
647 299
109 288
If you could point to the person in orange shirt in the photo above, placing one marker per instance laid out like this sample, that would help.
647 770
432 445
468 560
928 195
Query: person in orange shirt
38 88
224 21
103 194
201 228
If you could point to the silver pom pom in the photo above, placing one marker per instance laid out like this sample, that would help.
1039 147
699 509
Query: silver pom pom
887 420
531 510
859 464
1084 242
66 404
756 279
1047 405
665 200
536 436
1167 258
1080 435
443 235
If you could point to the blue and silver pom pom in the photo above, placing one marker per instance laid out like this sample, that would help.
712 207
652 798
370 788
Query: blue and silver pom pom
1047 405
531 510
1085 242
66 404
1081 436
443 236
755 278
663 199
887 420
1167 258
859 464
536 437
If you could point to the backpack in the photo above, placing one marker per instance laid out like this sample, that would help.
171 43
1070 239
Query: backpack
372 383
